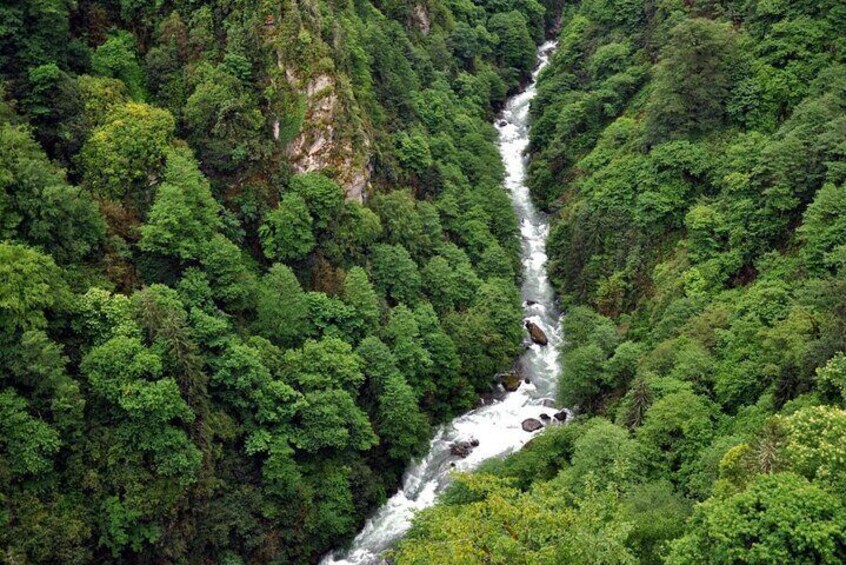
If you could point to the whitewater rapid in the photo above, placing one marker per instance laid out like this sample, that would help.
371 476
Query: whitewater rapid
496 426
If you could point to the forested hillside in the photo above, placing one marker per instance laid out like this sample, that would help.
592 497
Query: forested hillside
250 251
692 154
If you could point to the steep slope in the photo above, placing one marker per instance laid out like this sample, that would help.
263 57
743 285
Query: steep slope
692 154
251 251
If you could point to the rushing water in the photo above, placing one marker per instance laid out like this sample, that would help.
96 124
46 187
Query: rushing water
497 426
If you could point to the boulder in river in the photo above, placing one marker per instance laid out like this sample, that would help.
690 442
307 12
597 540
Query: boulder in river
531 302
536 333
548 403
502 123
510 381
531 425
545 417
561 416
462 448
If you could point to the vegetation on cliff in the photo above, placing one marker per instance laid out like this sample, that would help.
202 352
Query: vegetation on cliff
250 251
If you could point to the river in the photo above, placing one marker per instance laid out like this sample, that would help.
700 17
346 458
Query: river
497 426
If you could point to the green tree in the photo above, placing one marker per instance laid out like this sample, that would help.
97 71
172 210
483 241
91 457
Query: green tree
779 518
395 273
693 79
118 58
39 207
129 150
286 233
184 215
323 196
281 306
400 423
29 444
824 231
33 285
359 293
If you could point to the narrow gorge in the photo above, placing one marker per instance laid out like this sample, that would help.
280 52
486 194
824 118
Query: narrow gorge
495 429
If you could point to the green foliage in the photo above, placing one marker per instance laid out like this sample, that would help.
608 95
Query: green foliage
286 233
360 295
281 307
395 274
693 79
184 215
170 387
38 207
32 286
129 149
322 195
117 58
781 517
29 444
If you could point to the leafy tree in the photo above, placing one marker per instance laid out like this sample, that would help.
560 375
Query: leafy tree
29 444
330 419
39 207
281 306
323 196
514 49
693 79
286 233
402 333
359 293
395 273
33 285
675 428
823 230
400 423
328 363
184 215
780 517
232 282
126 152
117 58
224 121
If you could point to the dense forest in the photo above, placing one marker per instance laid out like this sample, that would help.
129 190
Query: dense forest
692 155
250 252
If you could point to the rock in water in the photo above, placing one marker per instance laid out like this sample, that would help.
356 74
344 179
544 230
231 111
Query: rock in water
531 425
545 417
561 416
510 381
462 448
536 333
548 403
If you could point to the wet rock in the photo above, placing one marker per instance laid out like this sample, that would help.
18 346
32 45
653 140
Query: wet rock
537 334
531 302
502 123
462 448
474 442
488 398
527 380
561 416
510 381
548 403
545 417
531 425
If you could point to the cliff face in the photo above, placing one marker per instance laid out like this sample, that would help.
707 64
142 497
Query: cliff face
320 144
330 133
